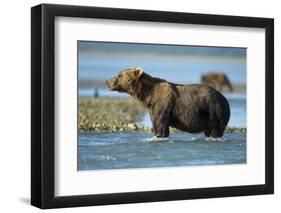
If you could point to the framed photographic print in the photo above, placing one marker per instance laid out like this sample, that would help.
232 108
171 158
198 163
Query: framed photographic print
139 106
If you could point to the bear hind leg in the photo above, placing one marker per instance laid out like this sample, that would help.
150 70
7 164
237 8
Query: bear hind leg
216 133
207 132
215 126
213 133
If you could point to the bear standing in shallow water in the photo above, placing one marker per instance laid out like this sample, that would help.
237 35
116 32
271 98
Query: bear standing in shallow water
192 108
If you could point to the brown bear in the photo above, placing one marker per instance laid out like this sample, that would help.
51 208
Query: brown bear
192 108
217 80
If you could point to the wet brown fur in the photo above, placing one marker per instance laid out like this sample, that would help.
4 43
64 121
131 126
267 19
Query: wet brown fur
192 108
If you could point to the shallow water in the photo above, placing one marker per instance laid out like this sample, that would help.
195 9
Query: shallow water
98 151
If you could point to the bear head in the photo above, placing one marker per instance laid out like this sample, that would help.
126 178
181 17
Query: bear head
124 80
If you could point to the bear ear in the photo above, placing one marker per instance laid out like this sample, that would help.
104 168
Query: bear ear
133 74
139 72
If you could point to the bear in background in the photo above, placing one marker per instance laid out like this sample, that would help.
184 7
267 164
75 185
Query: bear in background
192 108
217 80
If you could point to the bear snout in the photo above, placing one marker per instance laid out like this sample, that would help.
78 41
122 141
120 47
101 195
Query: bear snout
108 84
111 84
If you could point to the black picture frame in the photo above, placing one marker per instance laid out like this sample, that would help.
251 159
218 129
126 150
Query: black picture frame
43 105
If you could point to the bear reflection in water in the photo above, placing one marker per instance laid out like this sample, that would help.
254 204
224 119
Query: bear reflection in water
192 108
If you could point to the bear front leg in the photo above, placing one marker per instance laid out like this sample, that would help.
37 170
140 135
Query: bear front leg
161 130
160 122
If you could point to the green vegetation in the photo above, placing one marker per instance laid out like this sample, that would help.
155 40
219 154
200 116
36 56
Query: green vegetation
108 114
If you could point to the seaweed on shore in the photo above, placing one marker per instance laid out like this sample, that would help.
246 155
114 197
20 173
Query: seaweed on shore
109 114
